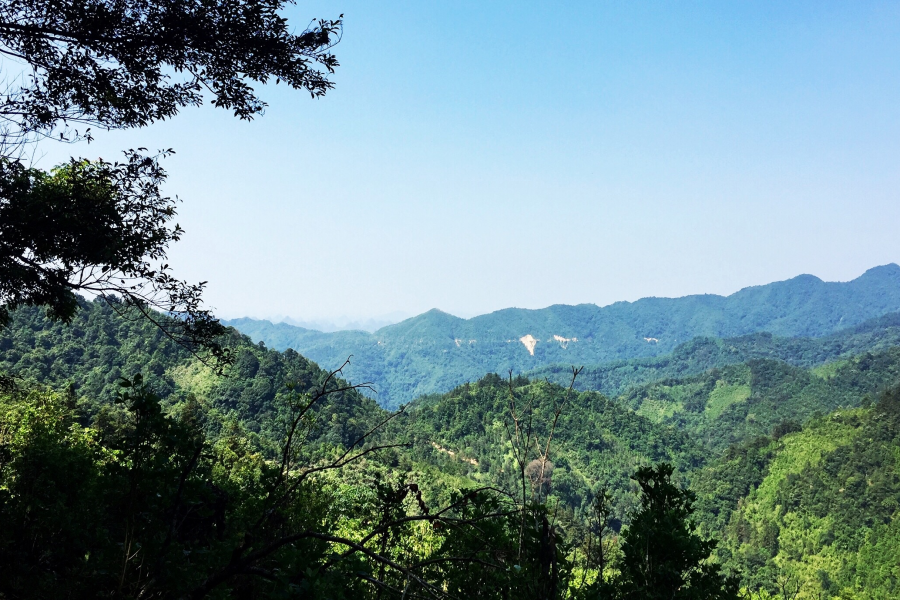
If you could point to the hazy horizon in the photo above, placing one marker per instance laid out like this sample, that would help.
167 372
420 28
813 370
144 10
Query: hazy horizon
478 156
344 322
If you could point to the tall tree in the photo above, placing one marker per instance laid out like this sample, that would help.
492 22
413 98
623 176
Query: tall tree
662 556
104 228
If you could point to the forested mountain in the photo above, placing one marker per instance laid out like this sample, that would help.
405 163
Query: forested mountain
789 443
702 354
172 469
687 422
89 357
812 513
435 351
795 470
738 402
596 442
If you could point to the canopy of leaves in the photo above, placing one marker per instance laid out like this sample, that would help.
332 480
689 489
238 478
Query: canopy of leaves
104 228
662 557
596 442
812 512
774 495
118 64
99 228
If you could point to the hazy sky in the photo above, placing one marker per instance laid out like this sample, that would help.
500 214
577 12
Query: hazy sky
480 155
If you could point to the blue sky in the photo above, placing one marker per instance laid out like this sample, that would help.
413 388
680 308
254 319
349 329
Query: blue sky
480 155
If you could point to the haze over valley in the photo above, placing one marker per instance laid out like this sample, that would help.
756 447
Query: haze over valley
436 351
449 300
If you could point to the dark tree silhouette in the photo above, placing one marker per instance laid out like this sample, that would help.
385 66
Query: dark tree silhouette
103 228
127 63
662 556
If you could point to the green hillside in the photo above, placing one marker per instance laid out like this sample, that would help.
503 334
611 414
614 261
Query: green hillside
795 466
95 475
435 352
596 442
90 356
816 511
703 354
738 402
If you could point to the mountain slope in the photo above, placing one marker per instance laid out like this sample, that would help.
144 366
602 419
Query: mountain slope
703 353
92 354
822 514
596 441
735 403
817 502
434 352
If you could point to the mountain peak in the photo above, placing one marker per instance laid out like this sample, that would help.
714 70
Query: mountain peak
888 271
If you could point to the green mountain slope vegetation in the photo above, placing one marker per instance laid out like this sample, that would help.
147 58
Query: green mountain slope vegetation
750 438
91 355
209 491
149 505
815 512
603 442
704 353
182 498
595 442
435 351
738 402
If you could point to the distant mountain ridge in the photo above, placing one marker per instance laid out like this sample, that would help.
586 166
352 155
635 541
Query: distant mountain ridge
371 324
704 353
435 351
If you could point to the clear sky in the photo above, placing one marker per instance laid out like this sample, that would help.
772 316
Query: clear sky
481 155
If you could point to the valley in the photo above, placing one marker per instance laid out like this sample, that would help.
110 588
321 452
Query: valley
785 432
671 230
436 351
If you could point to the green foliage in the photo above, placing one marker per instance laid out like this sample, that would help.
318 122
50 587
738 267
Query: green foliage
662 557
806 510
83 508
723 483
801 486
723 396
144 504
101 228
91 353
104 64
739 402
596 442
104 228
703 354
100 346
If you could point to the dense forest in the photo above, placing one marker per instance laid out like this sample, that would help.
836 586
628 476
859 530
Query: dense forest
435 351
785 476
714 448
279 479
811 511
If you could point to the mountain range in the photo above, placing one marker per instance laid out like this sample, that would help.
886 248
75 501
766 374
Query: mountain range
435 351
370 324
789 442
